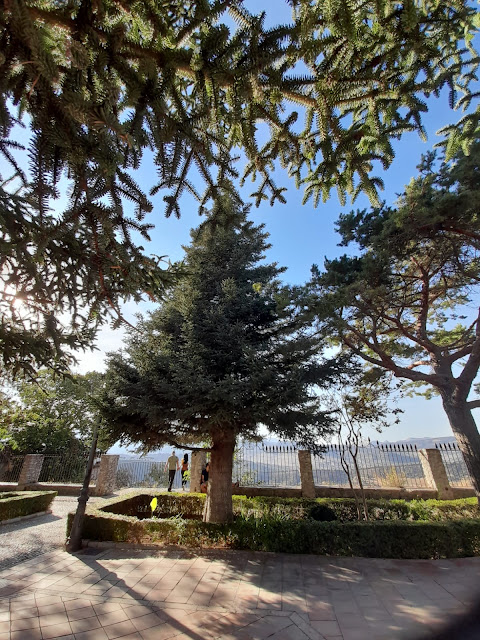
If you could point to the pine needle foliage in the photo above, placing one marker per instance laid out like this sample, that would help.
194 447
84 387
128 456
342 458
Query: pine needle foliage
99 83
408 304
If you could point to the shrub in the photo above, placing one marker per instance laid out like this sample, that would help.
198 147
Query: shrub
295 526
322 513
343 509
25 503
387 539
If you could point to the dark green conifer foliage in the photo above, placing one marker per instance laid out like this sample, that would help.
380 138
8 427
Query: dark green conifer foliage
98 83
223 354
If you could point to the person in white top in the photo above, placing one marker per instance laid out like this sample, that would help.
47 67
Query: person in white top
173 466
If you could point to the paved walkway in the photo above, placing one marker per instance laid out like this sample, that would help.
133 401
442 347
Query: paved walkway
172 593
101 594
31 537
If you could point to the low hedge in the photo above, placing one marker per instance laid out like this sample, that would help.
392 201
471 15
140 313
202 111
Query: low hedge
25 503
386 539
342 509
261 524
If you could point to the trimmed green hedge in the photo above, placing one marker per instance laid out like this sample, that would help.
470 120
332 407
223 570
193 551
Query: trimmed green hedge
261 524
25 503
386 539
342 509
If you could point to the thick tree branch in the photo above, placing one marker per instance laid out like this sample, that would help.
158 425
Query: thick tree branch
472 365
387 362
461 353
188 447
473 404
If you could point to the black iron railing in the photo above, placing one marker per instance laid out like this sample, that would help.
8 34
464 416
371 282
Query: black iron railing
457 472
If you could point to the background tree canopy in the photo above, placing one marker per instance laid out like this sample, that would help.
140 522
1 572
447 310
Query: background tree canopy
98 84
54 416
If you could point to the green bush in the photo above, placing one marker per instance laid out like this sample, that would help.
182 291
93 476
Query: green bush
343 509
25 503
387 539
292 526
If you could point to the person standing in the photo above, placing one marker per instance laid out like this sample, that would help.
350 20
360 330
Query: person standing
173 466
204 478
184 469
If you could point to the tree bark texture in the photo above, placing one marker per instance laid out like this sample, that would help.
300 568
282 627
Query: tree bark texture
218 505
465 430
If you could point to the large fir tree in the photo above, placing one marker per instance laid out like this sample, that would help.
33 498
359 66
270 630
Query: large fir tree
223 355
98 83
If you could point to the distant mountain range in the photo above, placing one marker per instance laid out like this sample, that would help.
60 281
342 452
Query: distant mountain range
421 443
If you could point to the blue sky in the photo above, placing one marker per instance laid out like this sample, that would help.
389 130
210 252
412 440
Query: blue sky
300 236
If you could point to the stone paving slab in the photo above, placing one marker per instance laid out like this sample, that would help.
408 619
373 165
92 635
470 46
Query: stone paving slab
228 595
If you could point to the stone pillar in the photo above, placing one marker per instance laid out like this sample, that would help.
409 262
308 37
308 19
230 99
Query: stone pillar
197 463
435 473
30 471
107 475
306 474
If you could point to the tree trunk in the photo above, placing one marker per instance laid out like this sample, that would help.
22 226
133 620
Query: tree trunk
468 439
360 484
218 505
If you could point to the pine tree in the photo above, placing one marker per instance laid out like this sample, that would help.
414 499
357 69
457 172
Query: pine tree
408 304
99 83
222 355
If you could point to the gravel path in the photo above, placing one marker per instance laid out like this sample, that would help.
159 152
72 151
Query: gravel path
29 538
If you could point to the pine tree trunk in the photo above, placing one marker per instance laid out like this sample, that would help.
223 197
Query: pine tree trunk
218 506
468 439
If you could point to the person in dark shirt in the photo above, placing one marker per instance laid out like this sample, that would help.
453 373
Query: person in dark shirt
204 478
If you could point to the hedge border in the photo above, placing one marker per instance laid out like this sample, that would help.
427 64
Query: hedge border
25 503
380 539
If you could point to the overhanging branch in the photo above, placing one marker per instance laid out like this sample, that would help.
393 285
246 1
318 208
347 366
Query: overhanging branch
188 447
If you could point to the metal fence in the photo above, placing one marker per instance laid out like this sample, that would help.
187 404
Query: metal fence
380 465
457 472
257 464
65 469
142 472
10 467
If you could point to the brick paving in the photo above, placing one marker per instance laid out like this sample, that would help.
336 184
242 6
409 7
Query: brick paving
103 594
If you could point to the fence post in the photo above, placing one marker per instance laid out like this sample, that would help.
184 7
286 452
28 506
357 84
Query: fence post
435 473
107 474
31 468
306 474
199 459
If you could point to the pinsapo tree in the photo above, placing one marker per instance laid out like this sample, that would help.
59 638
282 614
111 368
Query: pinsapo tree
408 302
98 84
222 355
